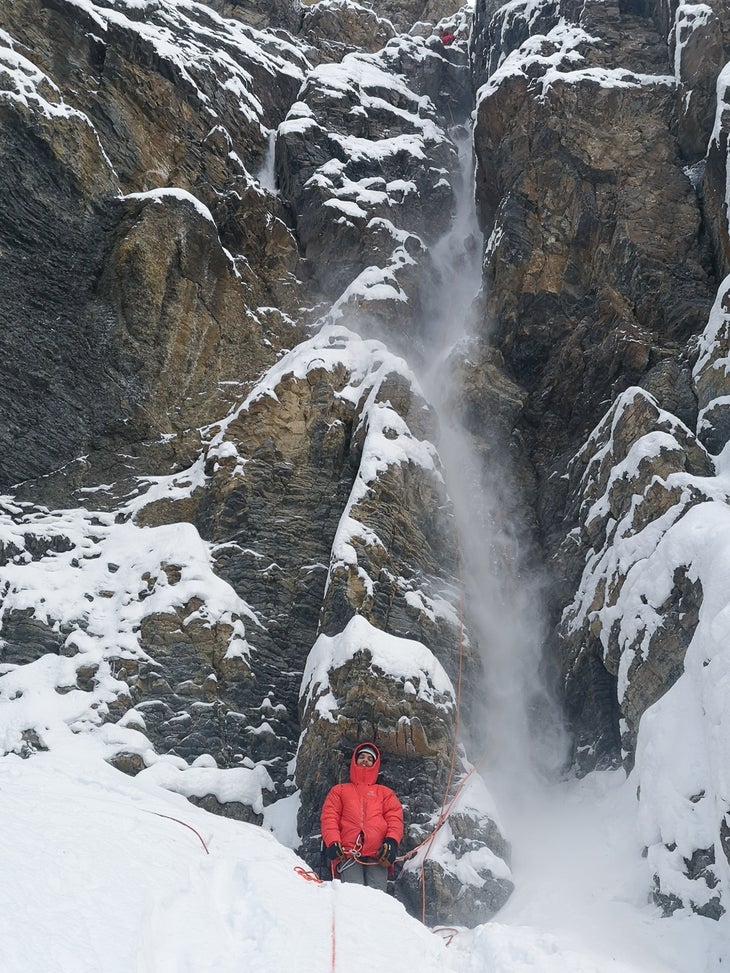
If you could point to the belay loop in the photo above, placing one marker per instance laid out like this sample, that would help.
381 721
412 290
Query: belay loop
353 855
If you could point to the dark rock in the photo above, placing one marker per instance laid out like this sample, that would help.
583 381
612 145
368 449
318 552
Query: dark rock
27 638
31 743
129 763
229 809
63 168
573 272
279 14
336 27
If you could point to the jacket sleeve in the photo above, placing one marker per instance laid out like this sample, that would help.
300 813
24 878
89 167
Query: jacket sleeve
331 817
393 814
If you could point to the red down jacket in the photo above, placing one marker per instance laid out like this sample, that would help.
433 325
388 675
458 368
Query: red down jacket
362 806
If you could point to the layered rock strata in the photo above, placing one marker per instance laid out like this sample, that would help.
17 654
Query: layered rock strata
232 554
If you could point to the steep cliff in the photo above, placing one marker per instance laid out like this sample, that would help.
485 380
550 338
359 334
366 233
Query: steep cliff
229 550
232 547
601 140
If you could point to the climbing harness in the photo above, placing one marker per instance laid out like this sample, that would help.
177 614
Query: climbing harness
350 857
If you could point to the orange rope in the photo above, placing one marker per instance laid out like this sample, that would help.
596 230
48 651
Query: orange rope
311 876
451 931
444 815
308 874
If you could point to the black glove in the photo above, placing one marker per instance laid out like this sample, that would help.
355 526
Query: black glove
389 851
334 852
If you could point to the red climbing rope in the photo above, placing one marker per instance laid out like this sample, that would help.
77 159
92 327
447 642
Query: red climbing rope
309 876
183 823
443 816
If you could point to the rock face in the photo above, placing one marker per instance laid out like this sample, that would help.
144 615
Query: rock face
251 564
121 168
228 232
577 240
601 144
334 29
366 164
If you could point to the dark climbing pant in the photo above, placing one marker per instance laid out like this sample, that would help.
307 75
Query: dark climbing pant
374 876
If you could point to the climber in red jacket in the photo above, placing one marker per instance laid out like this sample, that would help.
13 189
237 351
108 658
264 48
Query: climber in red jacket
362 823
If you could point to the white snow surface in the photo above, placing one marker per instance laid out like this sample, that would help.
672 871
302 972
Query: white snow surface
105 872
398 658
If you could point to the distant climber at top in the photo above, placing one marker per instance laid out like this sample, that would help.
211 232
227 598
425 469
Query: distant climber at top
448 37
362 823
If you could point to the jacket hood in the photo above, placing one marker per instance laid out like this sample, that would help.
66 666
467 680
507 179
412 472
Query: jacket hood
364 775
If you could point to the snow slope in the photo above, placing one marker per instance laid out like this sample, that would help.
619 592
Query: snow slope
98 876
580 904
95 879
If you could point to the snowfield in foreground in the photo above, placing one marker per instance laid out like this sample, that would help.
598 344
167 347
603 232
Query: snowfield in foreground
95 879
98 876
